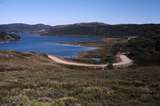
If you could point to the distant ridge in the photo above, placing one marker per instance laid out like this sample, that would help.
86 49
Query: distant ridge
21 27
104 30
90 29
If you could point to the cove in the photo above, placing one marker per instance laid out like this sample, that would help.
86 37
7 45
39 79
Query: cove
49 44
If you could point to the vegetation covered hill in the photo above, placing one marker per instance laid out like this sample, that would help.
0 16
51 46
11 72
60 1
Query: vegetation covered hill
87 29
8 36
28 79
106 30
144 50
20 27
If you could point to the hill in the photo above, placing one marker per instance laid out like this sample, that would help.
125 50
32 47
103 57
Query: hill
87 29
145 50
20 27
105 30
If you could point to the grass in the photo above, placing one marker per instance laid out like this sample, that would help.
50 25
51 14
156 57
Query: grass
29 79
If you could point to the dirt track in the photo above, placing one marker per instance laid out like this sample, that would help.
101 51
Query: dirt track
124 62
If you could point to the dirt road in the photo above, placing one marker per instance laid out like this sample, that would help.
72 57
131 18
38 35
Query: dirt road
124 62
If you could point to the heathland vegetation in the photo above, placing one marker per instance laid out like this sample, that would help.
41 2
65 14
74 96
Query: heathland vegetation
28 79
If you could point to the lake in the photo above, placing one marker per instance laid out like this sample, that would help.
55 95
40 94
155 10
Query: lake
47 44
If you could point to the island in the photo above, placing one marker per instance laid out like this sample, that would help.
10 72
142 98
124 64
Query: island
4 36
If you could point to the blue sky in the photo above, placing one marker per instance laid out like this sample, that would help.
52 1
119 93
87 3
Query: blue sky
55 12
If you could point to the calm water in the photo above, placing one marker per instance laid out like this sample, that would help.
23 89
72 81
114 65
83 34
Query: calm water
47 44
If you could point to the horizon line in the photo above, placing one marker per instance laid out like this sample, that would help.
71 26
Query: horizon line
80 23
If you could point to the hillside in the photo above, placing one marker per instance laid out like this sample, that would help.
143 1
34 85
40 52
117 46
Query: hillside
20 27
144 50
87 29
34 80
106 30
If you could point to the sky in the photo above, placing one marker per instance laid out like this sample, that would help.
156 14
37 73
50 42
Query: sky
57 12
